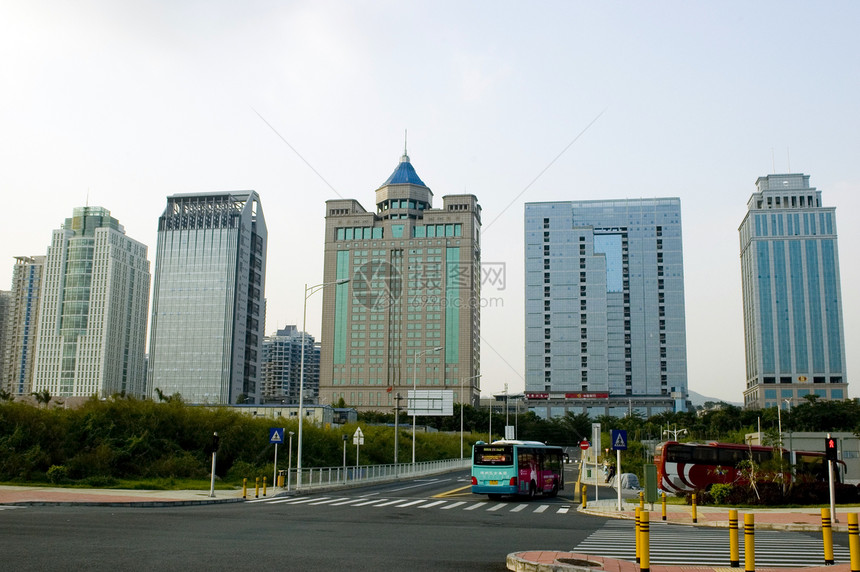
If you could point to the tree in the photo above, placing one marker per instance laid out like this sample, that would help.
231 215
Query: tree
42 397
6 395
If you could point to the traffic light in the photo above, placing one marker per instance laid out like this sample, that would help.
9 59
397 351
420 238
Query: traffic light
830 449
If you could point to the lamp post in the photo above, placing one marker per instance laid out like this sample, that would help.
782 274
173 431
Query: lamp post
414 389
674 432
461 408
309 291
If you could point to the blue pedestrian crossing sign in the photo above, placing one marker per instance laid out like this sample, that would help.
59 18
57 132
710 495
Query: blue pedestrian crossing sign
276 435
619 439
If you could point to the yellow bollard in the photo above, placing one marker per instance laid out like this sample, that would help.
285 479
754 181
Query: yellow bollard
642 500
257 488
734 550
638 532
854 541
827 536
584 497
644 542
244 488
264 486
663 499
749 543
694 508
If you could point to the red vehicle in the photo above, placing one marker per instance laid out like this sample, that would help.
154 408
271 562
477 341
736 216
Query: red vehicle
688 467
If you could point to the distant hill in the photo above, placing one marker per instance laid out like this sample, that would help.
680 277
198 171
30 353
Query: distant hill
698 399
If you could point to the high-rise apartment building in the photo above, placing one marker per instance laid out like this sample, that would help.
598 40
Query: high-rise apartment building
20 340
91 332
208 306
792 295
6 301
605 325
282 360
413 295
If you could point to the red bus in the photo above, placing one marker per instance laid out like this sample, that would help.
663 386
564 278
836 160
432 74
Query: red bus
688 467
517 468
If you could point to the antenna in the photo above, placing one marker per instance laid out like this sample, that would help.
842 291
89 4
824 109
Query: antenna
404 142
88 197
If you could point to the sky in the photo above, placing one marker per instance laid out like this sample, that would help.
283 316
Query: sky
121 104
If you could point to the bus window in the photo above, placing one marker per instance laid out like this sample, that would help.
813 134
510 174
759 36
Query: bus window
494 455
679 454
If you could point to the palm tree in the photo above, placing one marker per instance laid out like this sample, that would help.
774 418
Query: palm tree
43 397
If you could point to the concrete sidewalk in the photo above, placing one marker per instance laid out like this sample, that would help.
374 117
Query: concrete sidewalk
793 519
40 496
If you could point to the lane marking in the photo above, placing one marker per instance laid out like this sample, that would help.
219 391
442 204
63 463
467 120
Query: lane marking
350 501
454 492
453 505
519 507
497 507
328 501
541 508
387 503
373 501
420 484
474 506
563 510
410 503
434 503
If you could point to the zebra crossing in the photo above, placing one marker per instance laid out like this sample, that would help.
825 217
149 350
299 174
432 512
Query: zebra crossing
680 545
421 504
9 507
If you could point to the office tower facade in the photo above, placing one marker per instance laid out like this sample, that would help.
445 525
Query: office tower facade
414 286
6 298
604 316
282 355
792 295
91 331
208 307
20 340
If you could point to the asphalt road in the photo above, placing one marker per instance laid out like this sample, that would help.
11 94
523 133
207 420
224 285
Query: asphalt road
316 534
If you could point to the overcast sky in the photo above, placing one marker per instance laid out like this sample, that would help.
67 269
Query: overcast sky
124 103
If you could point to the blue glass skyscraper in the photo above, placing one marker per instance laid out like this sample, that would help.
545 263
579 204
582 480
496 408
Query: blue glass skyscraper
792 295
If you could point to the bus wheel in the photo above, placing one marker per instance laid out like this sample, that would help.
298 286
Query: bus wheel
494 497
554 491
532 488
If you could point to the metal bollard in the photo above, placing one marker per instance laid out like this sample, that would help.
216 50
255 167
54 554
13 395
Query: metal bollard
749 543
644 542
827 536
695 519
734 549
638 532
584 497
264 486
854 541
245 488
663 499
257 488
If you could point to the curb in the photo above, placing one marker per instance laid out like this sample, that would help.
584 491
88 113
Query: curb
139 504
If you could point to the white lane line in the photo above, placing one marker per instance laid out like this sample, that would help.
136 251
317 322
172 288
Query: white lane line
541 508
497 507
435 503
420 484
519 507
454 505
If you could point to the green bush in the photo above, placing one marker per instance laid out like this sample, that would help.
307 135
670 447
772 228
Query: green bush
720 493
58 474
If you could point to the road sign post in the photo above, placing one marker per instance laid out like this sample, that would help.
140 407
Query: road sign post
357 440
276 436
618 438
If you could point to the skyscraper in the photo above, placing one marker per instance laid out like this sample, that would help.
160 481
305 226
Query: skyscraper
91 331
605 325
208 307
792 295
414 287
282 367
20 341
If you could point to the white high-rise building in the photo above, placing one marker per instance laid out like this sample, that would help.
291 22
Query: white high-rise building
93 309
20 339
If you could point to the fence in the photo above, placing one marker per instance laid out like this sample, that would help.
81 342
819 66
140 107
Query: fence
325 477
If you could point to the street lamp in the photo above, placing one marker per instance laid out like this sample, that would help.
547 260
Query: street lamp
309 291
414 386
461 407
674 432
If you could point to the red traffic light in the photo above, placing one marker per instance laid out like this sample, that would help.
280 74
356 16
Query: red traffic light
830 449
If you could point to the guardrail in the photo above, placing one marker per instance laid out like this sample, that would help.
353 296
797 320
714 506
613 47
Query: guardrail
325 477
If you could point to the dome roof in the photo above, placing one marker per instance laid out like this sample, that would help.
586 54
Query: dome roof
404 174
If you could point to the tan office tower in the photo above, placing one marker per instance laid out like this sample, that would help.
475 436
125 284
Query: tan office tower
413 295
20 339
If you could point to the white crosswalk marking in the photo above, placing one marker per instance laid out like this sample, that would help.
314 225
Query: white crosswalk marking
519 507
432 504
411 503
563 510
454 505
350 501
475 506
327 501
679 545
497 507
387 503
374 501
541 508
